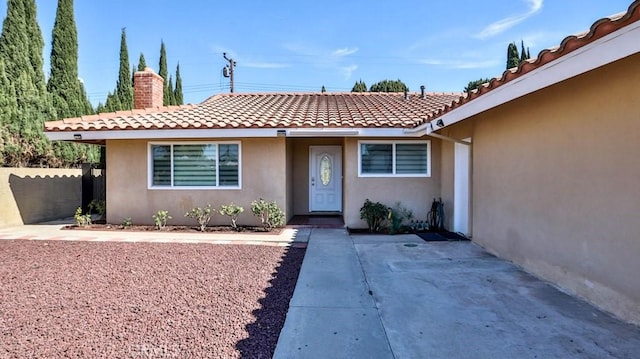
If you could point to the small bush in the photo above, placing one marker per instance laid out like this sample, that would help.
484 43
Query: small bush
160 219
126 222
396 217
271 216
201 215
82 220
98 206
374 214
232 211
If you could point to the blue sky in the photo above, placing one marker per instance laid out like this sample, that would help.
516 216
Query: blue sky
302 45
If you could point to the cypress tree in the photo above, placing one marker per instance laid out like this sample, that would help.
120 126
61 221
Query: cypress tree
163 72
177 94
523 53
360 86
513 57
323 89
67 92
66 89
124 88
172 99
142 63
21 46
9 148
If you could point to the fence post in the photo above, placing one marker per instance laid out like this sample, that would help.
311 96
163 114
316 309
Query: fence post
87 186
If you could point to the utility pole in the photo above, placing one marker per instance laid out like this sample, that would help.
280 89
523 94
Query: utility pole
227 71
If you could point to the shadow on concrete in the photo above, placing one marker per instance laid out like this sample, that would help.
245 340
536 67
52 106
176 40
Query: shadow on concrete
45 198
264 331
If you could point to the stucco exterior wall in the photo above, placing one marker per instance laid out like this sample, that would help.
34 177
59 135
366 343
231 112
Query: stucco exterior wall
32 195
414 193
263 162
556 185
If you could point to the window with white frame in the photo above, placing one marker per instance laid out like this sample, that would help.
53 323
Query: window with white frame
189 165
394 158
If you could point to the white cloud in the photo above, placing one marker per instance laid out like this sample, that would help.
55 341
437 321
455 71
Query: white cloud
347 71
508 22
345 51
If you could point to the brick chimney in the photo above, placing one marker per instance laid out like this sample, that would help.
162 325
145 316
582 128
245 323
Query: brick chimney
147 89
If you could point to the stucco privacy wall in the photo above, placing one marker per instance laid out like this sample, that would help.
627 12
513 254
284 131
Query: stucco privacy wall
414 193
263 175
555 185
32 195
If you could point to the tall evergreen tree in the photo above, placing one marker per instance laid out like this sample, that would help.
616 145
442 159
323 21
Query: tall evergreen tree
67 91
360 86
171 98
323 89
142 63
21 46
513 57
164 73
524 54
9 147
124 87
68 95
177 93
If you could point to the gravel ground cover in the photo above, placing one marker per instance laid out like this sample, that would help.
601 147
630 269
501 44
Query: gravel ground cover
143 300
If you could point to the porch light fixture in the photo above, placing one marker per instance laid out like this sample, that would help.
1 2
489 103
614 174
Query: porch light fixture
440 123
77 136
281 133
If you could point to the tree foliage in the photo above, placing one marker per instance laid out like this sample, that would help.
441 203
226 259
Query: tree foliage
389 86
513 57
25 99
142 63
475 84
360 86
124 87
178 97
164 73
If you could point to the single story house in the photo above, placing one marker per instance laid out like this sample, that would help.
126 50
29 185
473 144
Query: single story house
539 166
309 152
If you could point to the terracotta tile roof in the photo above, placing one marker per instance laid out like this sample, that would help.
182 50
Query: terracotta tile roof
272 110
599 29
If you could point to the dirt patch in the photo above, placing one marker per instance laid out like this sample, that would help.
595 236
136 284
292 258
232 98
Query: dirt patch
142 300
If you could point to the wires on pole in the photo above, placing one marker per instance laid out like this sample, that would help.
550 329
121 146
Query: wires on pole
227 71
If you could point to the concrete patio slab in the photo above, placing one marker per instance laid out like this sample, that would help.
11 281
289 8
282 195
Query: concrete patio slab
436 300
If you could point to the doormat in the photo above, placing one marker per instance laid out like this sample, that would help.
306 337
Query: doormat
441 236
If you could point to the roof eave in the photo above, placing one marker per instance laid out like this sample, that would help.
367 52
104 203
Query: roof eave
608 49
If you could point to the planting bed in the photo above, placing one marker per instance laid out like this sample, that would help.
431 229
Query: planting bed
143 300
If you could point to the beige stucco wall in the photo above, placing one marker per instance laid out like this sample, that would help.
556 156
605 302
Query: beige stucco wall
556 185
263 175
415 194
32 195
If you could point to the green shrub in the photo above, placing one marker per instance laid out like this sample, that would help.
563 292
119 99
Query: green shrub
126 222
232 211
160 219
374 214
82 220
201 215
98 206
271 216
396 217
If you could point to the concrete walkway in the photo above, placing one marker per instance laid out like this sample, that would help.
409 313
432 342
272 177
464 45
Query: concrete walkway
54 231
401 297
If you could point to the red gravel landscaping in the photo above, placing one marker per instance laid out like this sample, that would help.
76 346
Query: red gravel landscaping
143 300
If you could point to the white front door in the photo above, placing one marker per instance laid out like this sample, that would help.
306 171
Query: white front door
325 178
461 188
